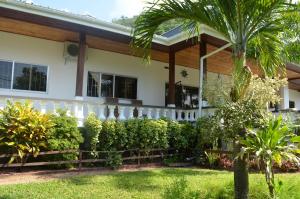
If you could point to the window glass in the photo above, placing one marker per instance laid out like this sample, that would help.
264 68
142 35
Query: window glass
30 77
93 84
107 82
125 87
5 74
38 78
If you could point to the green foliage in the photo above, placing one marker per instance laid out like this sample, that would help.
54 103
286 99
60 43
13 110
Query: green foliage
23 130
270 144
207 133
153 134
114 159
113 135
212 159
179 190
176 137
92 128
64 135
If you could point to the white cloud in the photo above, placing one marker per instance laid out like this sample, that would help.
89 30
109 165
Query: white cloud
128 8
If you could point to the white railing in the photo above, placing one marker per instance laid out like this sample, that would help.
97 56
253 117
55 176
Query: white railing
81 109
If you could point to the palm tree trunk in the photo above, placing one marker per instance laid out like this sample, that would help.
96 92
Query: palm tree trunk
241 177
241 78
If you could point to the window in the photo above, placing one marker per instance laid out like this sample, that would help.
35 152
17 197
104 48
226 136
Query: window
5 74
125 87
111 86
292 104
93 84
30 77
107 85
21 76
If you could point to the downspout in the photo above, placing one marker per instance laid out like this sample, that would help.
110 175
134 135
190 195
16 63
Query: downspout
201 75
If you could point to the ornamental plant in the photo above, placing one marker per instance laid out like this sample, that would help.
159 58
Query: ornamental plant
64 135
271 144
23 130
92 128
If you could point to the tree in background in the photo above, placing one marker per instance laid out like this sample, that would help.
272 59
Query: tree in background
240 23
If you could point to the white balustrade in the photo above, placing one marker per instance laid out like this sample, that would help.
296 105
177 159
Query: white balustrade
157 114
179 115
149 113
121 113
131 112
111 110
140 112
101 112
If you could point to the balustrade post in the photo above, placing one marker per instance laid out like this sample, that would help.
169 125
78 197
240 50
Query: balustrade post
173 114
121 113
149 113
131 111
157 114
140 112
111 110
186 115
179 115
101 115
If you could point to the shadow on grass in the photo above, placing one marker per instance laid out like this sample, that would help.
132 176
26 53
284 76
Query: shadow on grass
139 181
7 197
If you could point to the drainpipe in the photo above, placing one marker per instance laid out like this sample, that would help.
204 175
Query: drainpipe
201 74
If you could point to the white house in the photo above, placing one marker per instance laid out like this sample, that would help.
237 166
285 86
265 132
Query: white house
63 60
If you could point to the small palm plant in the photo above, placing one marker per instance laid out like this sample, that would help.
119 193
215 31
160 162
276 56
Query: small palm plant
270 145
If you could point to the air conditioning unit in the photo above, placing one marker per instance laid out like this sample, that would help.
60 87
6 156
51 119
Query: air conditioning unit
71 51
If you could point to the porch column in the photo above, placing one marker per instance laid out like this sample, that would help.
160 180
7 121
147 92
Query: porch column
203 52
171 91
285 98
80 64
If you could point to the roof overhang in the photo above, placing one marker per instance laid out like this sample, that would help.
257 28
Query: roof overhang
61 19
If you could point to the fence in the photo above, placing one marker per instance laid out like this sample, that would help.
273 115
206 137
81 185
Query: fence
138 155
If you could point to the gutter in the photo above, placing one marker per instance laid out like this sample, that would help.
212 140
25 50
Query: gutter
200 102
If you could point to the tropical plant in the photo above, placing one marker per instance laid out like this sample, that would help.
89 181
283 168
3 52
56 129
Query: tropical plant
65 135
240 23
270 145
92 128
23 130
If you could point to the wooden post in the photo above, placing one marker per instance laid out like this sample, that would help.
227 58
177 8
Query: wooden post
80 64
139 158
203 52
80 160
171 91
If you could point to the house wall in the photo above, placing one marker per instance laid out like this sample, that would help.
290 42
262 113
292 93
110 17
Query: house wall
295 96
62 76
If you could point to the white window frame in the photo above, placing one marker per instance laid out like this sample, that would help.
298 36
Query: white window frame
114 77
12 77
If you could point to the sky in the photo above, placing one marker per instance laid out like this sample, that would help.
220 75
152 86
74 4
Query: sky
101 9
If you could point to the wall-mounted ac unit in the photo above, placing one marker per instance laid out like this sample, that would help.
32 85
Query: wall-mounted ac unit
71 51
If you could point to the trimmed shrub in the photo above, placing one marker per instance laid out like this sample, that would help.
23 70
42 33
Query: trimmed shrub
113 135
133 130
114 159
176 137
23 130
65 135
153 134
92 130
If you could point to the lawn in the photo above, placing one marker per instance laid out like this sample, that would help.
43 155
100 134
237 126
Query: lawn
149 184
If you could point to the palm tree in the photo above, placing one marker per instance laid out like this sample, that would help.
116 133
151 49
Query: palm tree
240 22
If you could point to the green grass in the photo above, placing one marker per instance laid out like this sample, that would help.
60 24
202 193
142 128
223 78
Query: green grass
148 184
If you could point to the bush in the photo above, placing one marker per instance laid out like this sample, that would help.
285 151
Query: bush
113 135
153 134
92 129
179 190
64 136
176 137
22 129
114 159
